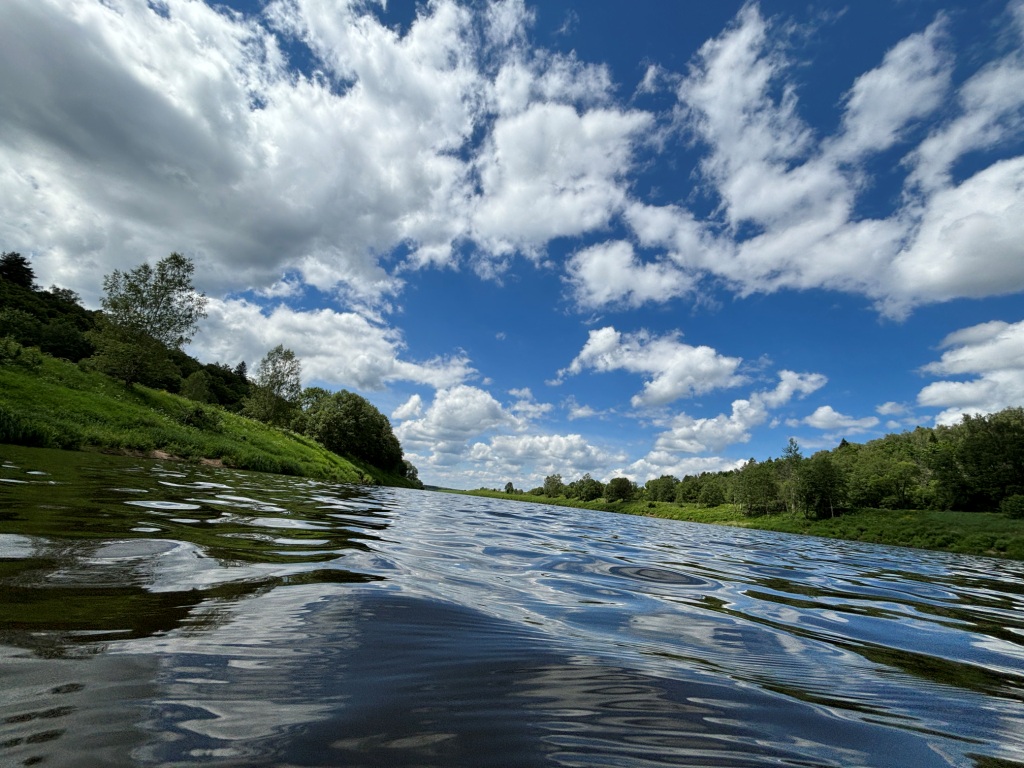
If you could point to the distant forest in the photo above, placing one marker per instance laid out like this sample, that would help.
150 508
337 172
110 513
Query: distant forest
976 465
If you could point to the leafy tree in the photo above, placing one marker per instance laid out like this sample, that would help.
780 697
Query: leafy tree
553 486
411 473
820 486
15 268
131 356
757 489
197 387
348 424
509 488
662 489
160 302
711 494
619 489
277 388
585 489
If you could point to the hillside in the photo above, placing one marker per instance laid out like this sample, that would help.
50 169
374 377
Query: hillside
51 403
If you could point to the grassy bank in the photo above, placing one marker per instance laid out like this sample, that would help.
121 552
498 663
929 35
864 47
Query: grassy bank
970 533
60 406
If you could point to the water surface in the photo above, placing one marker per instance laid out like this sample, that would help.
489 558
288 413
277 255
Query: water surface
159 614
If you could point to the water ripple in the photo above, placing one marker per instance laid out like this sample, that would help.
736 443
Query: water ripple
231 618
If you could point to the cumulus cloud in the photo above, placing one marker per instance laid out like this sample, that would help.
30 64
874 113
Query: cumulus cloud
989 358
827 418
687 434
456 415
540 455
788 214
675 369
610 274
341 349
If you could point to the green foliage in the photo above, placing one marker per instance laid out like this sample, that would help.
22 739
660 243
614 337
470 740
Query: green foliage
348 424
619 489
62 406
275 397
819 486
197 387
553 486
1013 506
662 489
711 494
757 489
131 356
15 269
160 303
585 489
13 353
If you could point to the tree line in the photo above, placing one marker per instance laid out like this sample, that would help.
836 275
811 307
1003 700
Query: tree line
975 465
148 315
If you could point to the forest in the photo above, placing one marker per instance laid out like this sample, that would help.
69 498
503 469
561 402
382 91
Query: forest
976 465
148 315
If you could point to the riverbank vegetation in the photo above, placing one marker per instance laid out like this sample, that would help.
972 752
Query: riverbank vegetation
970 533
119 380
958 488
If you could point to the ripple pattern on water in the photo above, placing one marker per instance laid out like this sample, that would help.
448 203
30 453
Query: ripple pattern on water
156 614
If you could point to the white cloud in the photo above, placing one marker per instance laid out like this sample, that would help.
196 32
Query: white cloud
689 435
676 370
891 408
550 172
827 418
970 241
409 409
992 354
611 274
537 456
456 415
341 349
526 406
909 84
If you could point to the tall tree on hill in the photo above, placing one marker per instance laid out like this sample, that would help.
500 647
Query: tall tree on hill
277 388
15 268
146 313
160 302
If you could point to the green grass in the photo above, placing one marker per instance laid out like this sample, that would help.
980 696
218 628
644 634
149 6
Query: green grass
969 533
60 406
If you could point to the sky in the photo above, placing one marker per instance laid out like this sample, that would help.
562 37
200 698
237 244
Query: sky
577 236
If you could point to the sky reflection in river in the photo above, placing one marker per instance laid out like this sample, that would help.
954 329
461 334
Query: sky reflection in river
238 619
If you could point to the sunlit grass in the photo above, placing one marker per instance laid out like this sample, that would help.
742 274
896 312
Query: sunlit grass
60 406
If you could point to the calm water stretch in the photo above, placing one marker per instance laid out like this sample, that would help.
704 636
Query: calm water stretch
158 614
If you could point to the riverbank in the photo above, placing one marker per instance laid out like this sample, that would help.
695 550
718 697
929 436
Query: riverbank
58 405
968 533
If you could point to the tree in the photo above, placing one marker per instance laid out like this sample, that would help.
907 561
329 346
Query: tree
553 486
509 488
197 387
820 486
756 488
711 494
160 302
348 424
585 489
662 489
15 268
130 355
619 489
278 385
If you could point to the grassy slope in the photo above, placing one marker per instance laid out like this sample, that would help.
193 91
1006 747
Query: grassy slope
972 533
60 406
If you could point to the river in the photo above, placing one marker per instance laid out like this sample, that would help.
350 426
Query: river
154 613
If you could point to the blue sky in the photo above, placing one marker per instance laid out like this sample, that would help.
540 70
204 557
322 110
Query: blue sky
618 238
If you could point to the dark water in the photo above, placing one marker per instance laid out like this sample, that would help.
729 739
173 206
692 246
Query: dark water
155 614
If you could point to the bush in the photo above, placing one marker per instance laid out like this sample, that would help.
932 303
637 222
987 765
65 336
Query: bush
1013 506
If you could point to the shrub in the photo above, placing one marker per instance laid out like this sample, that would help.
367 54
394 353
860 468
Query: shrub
1013 506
